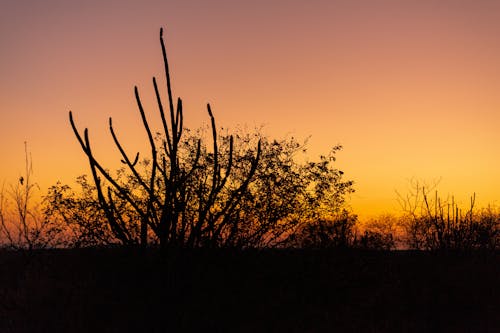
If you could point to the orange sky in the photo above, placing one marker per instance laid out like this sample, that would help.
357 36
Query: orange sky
409 88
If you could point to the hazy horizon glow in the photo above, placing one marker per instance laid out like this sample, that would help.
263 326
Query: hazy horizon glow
410 89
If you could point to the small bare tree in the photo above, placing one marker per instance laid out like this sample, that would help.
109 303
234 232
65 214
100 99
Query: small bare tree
23 224
161 197
433 223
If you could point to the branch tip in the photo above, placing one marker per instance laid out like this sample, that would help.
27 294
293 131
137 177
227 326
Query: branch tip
209 110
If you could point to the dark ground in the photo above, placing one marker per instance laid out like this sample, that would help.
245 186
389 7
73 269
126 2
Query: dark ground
248 291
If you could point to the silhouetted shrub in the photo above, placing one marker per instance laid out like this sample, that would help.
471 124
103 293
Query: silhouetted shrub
248 191
438 224
381 233
285 197
335 232
287 194
373 240
160 196
81 212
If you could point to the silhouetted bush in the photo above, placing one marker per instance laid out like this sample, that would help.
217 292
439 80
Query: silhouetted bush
381 233
373 240
246 191
438 224
160 196
81 212
286 195
335 232
284 200
487 229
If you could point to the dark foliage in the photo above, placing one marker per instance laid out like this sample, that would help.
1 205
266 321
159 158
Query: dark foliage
279 207
240 191
433 223
162 197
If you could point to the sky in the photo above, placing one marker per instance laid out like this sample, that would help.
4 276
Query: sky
409 88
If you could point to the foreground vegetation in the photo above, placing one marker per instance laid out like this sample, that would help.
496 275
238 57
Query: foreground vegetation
91 290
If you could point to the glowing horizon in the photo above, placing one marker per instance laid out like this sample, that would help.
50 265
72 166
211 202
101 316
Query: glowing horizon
409 90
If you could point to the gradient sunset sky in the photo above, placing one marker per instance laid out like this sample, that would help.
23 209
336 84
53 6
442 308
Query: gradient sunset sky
411 89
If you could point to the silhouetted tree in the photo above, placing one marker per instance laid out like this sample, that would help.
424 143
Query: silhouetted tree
160 200
285 194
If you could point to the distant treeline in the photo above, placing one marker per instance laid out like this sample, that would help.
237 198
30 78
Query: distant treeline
288 202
